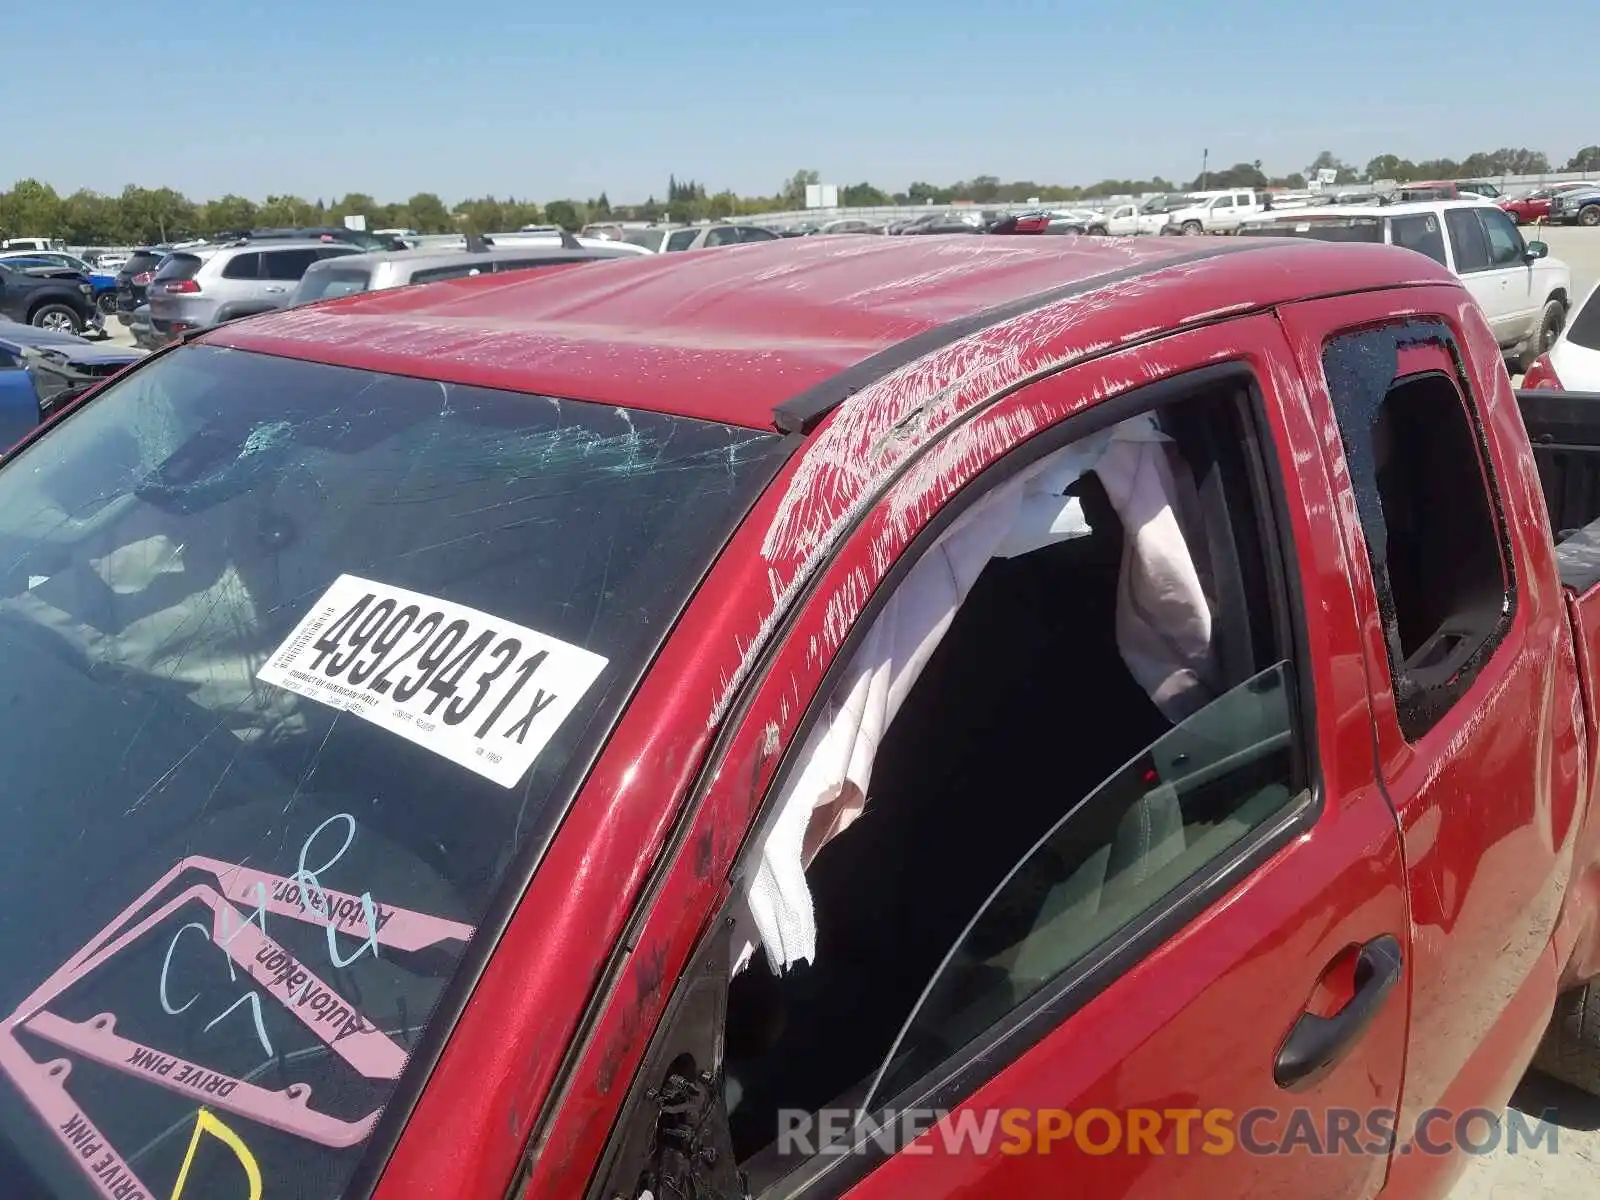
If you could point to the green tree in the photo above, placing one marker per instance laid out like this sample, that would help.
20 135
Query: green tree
286 211
1327 161
1240 175
30 209
794 188
226 212
428 213
862 195
486 215
563 213
1587 159
1435 168
355 204
1390 166
155 214
90 219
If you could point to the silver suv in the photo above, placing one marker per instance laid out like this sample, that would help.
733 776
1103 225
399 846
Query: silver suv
203 286
398 268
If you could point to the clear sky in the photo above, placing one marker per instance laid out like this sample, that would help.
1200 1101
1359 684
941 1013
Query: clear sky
321 98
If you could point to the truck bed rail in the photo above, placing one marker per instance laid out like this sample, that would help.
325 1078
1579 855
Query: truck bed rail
1564 429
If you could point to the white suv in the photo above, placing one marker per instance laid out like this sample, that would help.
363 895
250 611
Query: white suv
1523 292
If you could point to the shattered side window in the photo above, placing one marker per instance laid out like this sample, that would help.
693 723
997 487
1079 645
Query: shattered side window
1431 516
297 659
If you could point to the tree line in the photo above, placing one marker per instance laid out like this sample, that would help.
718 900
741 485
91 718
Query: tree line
141 215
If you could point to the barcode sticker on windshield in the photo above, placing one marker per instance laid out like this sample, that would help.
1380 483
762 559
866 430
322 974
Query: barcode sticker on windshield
483 692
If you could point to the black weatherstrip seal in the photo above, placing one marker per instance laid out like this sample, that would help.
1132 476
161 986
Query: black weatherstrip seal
800 414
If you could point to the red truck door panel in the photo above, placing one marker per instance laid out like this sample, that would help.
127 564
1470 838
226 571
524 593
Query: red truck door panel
1211 933
1471 669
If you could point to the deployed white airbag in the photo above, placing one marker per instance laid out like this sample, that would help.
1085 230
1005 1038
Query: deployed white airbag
1163 632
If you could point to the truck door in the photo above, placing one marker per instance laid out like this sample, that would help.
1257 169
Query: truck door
1488 283
1508 259
1473 679
1189 981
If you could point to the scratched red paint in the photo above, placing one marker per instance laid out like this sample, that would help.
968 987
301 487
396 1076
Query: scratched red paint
729 334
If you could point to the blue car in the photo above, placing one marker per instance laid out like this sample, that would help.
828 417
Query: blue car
40 368
103 282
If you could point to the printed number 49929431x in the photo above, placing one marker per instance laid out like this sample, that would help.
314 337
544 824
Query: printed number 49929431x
484 692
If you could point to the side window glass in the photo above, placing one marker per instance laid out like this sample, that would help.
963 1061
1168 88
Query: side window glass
1223 202
725 236
243 266
750 233
1467 240
1185 801
1505 243
1420 233
681 239
1429 509
1115 673
288 264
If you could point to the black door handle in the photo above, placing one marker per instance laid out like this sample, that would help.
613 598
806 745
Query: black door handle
1316 1043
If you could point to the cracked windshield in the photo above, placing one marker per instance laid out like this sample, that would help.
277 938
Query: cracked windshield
296 658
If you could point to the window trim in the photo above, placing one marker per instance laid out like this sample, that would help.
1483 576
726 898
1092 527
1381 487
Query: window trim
1414 713
956 1079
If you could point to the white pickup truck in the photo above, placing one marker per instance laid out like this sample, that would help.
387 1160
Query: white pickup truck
1523 292
1216 212
1126 220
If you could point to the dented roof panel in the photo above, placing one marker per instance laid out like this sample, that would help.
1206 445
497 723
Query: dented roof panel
728 334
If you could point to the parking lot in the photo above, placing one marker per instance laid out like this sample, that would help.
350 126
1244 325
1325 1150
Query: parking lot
1578 248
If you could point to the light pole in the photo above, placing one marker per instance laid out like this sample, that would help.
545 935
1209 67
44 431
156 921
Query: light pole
1205 160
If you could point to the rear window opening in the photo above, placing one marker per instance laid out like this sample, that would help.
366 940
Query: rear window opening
179 267
1443 564
1430 515
143 260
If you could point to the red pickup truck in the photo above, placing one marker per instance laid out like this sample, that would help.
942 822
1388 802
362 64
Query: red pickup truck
938 717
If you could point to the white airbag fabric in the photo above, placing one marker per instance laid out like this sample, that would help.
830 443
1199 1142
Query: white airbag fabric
1163 632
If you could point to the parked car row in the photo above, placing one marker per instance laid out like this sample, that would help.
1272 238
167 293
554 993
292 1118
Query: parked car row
1523 291
169 291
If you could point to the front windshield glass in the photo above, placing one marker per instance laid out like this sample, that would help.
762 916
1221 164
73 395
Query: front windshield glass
295 658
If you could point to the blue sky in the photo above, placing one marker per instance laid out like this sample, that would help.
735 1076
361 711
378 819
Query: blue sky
323 98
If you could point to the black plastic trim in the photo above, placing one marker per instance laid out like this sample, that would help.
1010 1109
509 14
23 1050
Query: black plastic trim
802 413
